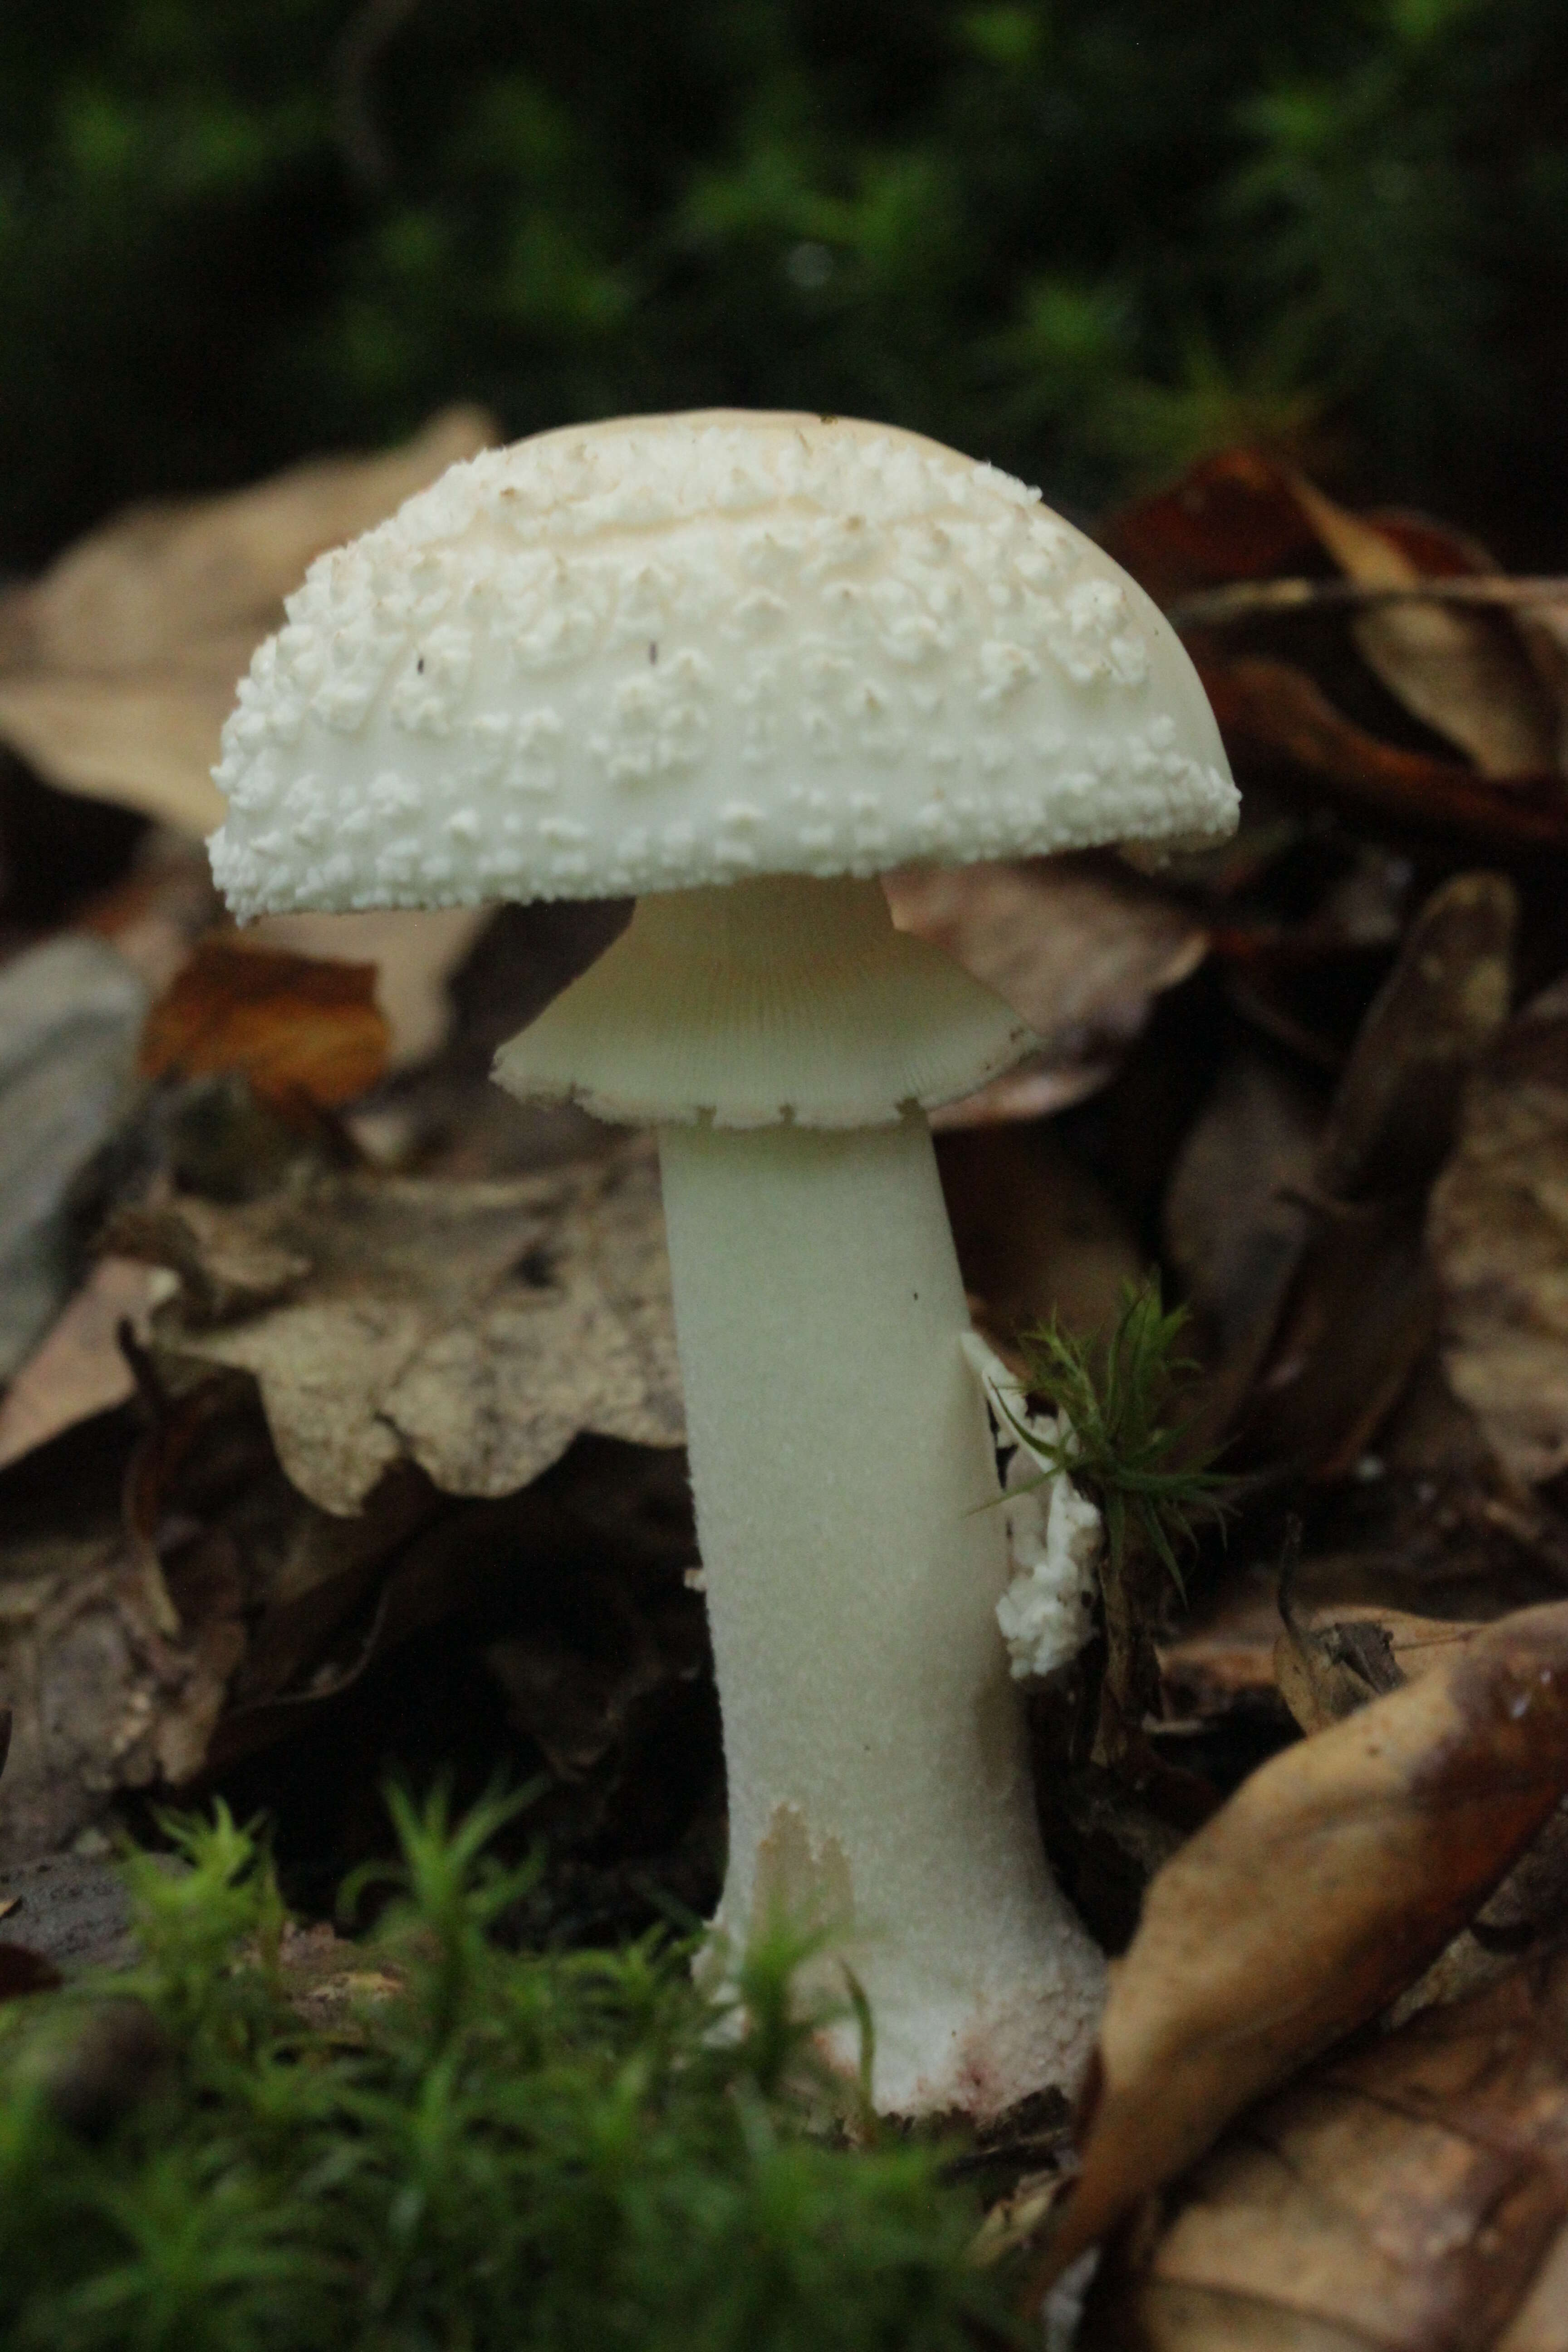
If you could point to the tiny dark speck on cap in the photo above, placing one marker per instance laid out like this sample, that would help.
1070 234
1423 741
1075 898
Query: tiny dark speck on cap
653 649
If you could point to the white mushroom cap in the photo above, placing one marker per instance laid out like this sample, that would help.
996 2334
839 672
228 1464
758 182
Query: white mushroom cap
666 651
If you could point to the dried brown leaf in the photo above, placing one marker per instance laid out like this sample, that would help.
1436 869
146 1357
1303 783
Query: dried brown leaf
474 1328
1543 625
1234 1217
1078 946
293 1025
1315 1895
1037 1237
117 667
1464 674
224 1266
1355 1311
1409 2196
1498 1235
98 1688
1325 1673
153 1583
1234 515
1494 685
1228 1654
145 745
1394 1114
80 1367
1270 709
155 914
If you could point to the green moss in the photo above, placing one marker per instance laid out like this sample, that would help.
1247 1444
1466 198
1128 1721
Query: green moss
1115 1398
561 2152
1084 241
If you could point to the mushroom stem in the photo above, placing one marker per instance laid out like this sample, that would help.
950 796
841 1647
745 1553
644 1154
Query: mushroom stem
841 1464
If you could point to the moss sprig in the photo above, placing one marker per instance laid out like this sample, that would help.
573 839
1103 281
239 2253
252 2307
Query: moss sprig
559 2152
1120 1436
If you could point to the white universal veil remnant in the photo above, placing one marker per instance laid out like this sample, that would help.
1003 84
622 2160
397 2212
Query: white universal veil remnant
739 665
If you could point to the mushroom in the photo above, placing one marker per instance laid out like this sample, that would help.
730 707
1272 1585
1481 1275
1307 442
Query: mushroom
739 665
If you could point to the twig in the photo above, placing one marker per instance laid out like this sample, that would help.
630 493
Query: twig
1244 600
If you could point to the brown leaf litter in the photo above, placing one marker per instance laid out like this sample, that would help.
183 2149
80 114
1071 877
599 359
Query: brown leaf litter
1466 674
294 1027
474 1329
1300 1027
1409 2193
1079 946
1347 1302
107 1688
407 1340
1320 1891
1485 678
117 667
1499 1234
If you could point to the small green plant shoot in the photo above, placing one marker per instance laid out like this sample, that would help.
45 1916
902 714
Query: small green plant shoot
1116 1438
578 2152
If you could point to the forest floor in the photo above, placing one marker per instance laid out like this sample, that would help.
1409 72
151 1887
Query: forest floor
287 1509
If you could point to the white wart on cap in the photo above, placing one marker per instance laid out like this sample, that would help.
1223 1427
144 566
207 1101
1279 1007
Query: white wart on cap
675 650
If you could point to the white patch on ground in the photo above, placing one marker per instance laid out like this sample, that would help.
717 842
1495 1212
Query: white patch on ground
1055 1534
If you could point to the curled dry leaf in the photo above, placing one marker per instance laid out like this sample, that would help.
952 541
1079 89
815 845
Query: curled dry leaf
1234 1217
473 1329
1407 2196
1464 674
1330 1660
117 667
1325 1673
155 914
1345 1299
1078 946
294 1025
1392 1118
1493 683
1499 1236
1229 1653
79 1368
1271 710
1543 625
1316 1894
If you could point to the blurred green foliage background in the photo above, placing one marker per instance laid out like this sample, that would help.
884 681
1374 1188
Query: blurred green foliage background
1087 238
